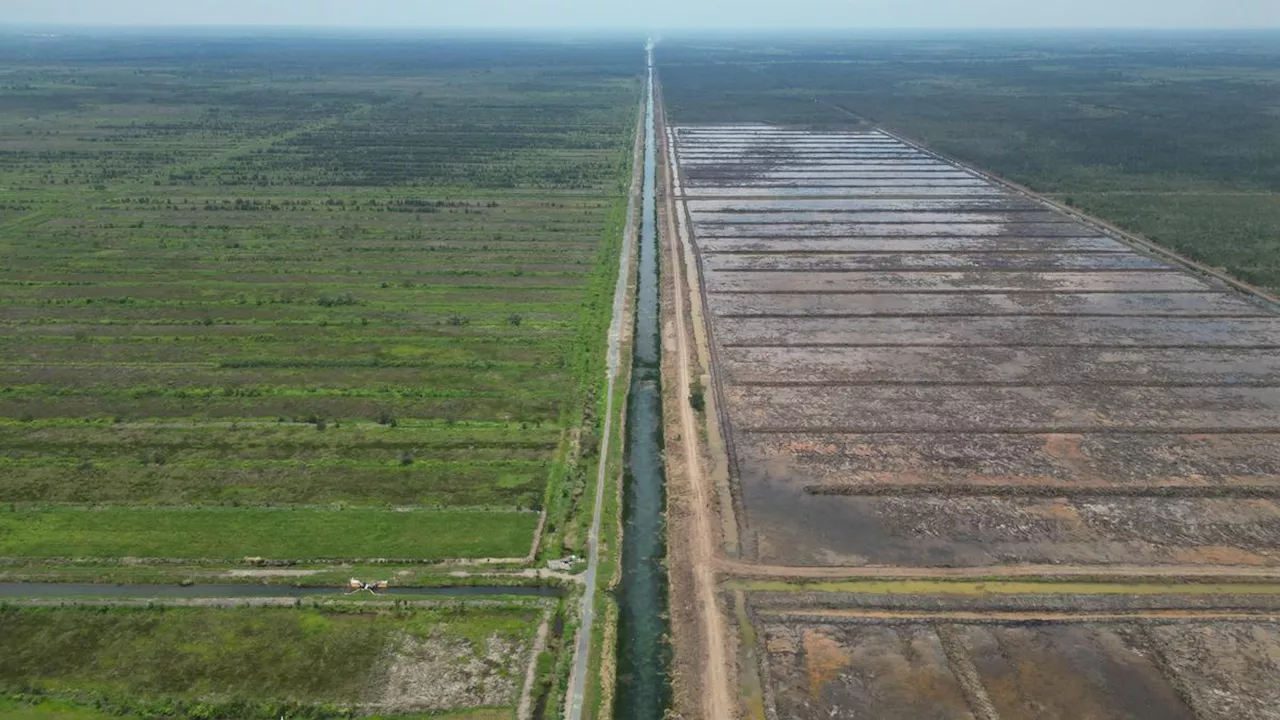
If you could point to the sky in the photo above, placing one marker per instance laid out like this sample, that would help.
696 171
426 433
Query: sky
653 14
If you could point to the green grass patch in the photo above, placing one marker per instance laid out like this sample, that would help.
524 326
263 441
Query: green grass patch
285 533
53 710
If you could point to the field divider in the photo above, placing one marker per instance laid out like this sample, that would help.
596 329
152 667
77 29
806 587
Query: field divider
1047 269
925 316
925 251
957 291
1007 430
990 617
1003 383
962 488
1103 346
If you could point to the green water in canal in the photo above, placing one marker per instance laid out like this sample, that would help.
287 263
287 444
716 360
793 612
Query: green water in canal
643 652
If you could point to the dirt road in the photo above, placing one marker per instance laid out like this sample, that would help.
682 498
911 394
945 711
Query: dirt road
717 697
582 647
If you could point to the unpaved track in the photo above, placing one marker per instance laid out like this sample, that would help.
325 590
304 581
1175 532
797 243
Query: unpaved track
576 695
717 699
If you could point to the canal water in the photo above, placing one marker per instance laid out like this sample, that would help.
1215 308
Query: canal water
643 691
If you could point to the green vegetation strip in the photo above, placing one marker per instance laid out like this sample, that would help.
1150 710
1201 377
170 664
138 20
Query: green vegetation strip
234 533
40 709
88 663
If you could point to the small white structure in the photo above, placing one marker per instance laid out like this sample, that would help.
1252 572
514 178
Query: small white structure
355 586
563 564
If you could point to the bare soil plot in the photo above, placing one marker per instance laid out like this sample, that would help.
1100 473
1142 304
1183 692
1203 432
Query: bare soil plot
919 367
883 668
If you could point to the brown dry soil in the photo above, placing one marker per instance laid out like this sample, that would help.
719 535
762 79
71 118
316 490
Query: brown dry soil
1215 670
922 371
701 671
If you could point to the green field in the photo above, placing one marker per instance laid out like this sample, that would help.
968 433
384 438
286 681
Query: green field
1175 136
278 533
249 284
249 663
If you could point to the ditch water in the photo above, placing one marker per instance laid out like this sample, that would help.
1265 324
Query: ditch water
643 692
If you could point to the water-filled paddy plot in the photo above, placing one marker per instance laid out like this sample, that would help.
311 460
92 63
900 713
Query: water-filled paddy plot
921 367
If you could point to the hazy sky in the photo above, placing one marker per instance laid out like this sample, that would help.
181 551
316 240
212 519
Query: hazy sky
654 13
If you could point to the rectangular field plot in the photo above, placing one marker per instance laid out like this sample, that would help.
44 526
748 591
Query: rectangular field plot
939 529
971 377
265 661
1040 670
358 464
874 671
230 534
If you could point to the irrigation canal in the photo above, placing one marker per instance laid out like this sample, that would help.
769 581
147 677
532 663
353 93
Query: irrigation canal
643 692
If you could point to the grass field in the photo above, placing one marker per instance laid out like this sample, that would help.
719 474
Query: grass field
1175 136
263 662
52 710
280 533
272 274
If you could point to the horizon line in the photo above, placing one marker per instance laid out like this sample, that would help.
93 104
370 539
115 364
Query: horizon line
769 30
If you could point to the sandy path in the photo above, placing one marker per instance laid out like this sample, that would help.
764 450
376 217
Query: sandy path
717 699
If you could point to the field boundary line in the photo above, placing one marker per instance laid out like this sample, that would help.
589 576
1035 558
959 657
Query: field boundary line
996 573
537 538
525 709
999 617
338 600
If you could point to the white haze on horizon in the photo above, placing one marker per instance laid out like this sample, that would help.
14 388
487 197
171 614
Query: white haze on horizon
644 14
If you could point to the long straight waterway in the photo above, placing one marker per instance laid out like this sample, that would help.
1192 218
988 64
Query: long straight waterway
643 689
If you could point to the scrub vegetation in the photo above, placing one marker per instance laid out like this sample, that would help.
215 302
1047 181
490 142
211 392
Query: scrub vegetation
303 662
1172 136
261 296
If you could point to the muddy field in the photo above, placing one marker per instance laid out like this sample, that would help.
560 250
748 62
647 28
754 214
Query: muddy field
864 667
920 367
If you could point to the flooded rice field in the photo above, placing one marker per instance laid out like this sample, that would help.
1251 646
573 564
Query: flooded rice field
883 320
